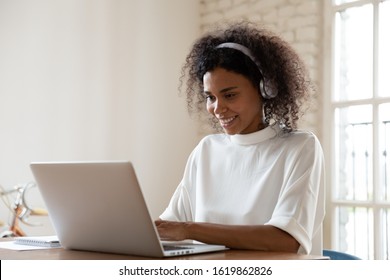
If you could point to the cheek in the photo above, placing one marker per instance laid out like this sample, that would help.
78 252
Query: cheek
210 108
255 103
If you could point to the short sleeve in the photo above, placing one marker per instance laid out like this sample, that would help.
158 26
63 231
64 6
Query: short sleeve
179 207
300 208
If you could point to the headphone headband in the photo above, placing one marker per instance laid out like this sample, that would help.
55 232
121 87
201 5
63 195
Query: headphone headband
266 89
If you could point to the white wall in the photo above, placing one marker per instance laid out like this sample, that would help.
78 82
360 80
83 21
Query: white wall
92 80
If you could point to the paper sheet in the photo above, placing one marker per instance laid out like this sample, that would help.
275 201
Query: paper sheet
11 245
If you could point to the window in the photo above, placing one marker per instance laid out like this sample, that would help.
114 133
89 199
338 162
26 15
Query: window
359 130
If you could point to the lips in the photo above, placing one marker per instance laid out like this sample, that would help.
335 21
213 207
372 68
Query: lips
227 121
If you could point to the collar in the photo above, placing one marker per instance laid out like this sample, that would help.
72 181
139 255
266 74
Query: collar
255 137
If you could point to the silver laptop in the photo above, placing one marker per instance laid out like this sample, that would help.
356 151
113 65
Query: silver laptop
99 206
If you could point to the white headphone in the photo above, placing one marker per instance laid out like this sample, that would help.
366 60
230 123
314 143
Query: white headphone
266 89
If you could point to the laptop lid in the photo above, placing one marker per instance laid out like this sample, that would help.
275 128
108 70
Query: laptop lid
99 206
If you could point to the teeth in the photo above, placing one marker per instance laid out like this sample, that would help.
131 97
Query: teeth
225 121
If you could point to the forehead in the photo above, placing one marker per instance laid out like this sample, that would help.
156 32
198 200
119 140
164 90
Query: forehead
220 76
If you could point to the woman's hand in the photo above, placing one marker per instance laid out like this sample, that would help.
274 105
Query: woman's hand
169 230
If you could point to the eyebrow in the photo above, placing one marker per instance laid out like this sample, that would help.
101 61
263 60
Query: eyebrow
223 90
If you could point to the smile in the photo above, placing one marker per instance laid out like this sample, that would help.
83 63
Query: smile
228 121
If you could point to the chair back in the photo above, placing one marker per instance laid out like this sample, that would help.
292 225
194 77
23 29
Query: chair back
336 255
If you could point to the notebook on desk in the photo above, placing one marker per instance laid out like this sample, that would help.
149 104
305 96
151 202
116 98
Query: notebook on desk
99 206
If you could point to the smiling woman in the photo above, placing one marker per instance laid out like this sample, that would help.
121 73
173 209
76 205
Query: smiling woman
269 63
259 185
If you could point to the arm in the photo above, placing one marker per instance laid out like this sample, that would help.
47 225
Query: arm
257 237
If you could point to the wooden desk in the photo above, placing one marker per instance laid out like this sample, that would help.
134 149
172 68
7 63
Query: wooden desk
62 254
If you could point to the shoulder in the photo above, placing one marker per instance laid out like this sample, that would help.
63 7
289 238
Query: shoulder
209 146
298 149
300 137
207 143
213 139
299 143
308 138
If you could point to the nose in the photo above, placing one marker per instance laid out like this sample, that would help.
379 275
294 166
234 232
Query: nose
219 107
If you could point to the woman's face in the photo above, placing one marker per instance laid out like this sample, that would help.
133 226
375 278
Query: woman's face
234 101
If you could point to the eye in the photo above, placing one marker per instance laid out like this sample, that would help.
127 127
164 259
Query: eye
230 95
210 98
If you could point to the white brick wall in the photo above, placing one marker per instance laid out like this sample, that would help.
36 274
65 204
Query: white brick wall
299 22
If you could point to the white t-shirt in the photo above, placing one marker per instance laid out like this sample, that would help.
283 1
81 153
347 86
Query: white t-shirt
267 177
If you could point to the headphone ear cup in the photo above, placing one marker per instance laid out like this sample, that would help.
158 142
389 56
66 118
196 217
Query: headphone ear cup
267 91
262 89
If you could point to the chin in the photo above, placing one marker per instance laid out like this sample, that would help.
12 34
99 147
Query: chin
230 132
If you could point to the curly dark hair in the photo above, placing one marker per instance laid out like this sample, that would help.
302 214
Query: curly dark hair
281 67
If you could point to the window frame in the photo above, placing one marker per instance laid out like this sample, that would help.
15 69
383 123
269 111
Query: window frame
330 104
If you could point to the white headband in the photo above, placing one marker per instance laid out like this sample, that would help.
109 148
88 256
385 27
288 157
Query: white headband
266 89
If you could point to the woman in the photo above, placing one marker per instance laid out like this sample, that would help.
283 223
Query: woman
259 185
